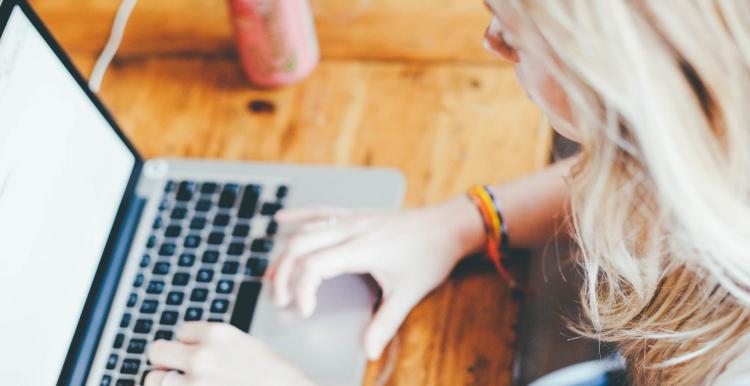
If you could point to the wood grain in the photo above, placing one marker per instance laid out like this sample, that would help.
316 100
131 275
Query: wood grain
446 124
353 29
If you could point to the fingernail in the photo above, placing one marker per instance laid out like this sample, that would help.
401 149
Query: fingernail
308 309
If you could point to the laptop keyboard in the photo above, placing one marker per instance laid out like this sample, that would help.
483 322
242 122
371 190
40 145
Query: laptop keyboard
204 259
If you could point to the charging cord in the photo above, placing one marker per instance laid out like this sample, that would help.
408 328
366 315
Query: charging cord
110 49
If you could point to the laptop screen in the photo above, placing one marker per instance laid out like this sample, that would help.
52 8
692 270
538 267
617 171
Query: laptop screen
63 173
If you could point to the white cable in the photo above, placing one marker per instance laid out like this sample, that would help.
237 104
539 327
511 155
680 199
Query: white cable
110 49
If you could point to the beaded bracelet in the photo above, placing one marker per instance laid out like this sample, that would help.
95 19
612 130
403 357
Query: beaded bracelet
498 210
494 227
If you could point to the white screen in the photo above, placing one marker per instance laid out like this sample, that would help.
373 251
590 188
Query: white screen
63 172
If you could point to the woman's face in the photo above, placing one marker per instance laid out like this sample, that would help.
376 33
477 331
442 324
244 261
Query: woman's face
502 38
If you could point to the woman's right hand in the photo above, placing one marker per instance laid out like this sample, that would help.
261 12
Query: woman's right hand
408 254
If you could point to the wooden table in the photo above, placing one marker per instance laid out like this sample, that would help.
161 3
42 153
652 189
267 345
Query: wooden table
402 84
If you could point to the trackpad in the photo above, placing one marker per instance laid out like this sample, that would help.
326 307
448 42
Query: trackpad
328 345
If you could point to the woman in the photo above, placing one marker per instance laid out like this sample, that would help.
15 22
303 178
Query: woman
657 93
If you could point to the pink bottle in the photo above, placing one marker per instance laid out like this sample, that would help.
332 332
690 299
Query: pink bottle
275 39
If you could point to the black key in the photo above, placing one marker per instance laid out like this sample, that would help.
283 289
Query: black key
256 266
205 275
145 260
155 287
209 188
143 326
112 361
249 202
138 282
169 186
130 366
163 334
151 241
230 267
119 340
203 205
174 298
221 220
180 279
219 306
215 238
216 320
233 187
158 223
167 249
199 295
224 286
164 204
149 306
198 223
125 321
261 245
270 208
235 249
244 306
185 191
161 268
241 230
132 299
282 191
186 260
210 257
173 230
193 313
106 381
192 241
125 382
169 318
272 228
227 198
137 346
178 213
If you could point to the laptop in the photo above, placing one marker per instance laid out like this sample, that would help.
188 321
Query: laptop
103 252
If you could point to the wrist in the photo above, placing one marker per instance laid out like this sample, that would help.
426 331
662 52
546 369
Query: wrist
465 224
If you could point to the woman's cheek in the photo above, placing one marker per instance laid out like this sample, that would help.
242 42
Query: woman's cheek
544 90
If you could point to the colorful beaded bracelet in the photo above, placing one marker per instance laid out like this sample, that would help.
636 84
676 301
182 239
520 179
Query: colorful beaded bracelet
494 227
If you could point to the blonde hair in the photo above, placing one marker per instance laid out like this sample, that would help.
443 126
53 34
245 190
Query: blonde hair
659 96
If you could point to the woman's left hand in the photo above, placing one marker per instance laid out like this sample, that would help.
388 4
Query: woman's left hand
216 354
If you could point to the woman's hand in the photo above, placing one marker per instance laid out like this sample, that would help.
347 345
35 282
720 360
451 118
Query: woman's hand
408 254
211 354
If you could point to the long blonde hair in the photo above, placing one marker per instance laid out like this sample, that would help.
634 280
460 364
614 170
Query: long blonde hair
659 96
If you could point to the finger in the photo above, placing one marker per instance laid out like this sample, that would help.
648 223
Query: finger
192 332
302 245
154 378
164 378
386 321
170 355
300 215
173 378
306 240
319 266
